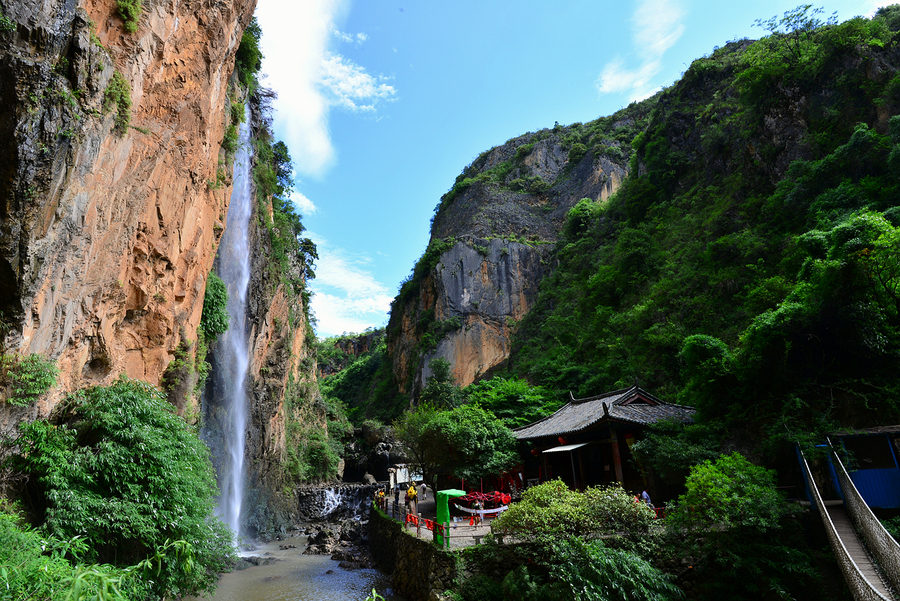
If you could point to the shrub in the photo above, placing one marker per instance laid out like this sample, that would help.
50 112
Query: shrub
248 60
577 151
729 492
481 588
118 93
131 476
214 320
230 140
551 509
587 570
6 24
130 10
29 378
572 568
749 548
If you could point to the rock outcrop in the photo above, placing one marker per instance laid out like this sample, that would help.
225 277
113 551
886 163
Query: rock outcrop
108 230
494 231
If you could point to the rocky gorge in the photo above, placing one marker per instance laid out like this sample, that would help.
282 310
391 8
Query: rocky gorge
115 180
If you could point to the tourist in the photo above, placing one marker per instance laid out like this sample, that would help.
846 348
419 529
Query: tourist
646 499
424 489
397 493
411 495
478 507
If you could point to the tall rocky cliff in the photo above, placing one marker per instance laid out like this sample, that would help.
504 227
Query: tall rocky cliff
490 239
108 228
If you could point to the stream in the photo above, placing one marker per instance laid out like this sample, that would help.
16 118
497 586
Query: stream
297 577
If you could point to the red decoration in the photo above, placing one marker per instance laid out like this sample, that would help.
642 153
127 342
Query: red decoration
535 452
562 440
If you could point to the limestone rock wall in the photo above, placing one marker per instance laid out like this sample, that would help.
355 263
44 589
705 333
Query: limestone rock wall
464 309
477 292
106 236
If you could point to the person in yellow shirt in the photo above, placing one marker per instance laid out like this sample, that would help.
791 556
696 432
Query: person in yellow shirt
412 497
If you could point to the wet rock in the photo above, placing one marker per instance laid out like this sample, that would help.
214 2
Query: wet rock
245 562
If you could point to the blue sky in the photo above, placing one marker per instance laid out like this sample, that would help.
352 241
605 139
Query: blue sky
382 104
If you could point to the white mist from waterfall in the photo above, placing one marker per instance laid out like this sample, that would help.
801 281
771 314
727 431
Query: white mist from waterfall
234 269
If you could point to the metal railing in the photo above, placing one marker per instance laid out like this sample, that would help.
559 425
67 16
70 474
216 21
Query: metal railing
447 530
880 542
859 585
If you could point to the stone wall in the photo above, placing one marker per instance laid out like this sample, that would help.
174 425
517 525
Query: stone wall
421 571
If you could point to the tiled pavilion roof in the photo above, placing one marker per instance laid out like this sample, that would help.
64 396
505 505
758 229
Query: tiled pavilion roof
630 405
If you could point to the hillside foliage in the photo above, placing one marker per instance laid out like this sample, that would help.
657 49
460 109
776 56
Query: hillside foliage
118 471
736 270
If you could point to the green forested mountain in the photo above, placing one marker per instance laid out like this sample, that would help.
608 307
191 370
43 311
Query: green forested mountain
749 264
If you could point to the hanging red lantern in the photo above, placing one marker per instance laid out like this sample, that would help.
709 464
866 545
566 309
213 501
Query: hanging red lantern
535 452
562 440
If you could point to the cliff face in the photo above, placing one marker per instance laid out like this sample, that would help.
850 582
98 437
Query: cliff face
478 290
108 232
492 234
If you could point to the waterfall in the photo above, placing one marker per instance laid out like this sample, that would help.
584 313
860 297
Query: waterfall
333 500
226 423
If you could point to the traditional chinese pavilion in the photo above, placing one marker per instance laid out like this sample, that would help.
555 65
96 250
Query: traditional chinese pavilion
588 441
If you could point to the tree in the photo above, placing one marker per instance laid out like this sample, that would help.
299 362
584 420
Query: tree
470 443
248 59
891 16
130 475
734 516
410 430
466 442
672 447
795 27
440 388
728 493
516 402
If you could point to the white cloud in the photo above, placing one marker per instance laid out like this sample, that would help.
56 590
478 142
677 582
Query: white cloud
347 85
347 298
349 38
303 204
309 79
656 27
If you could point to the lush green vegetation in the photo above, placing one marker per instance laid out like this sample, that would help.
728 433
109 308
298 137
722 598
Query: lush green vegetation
128 483
364 384
567 568
741 269
27 378
292 257
514 401
465 442
313 452
214 319
130 11
7 25
248 60
747 277
118 94
733 517
35 566
551 509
